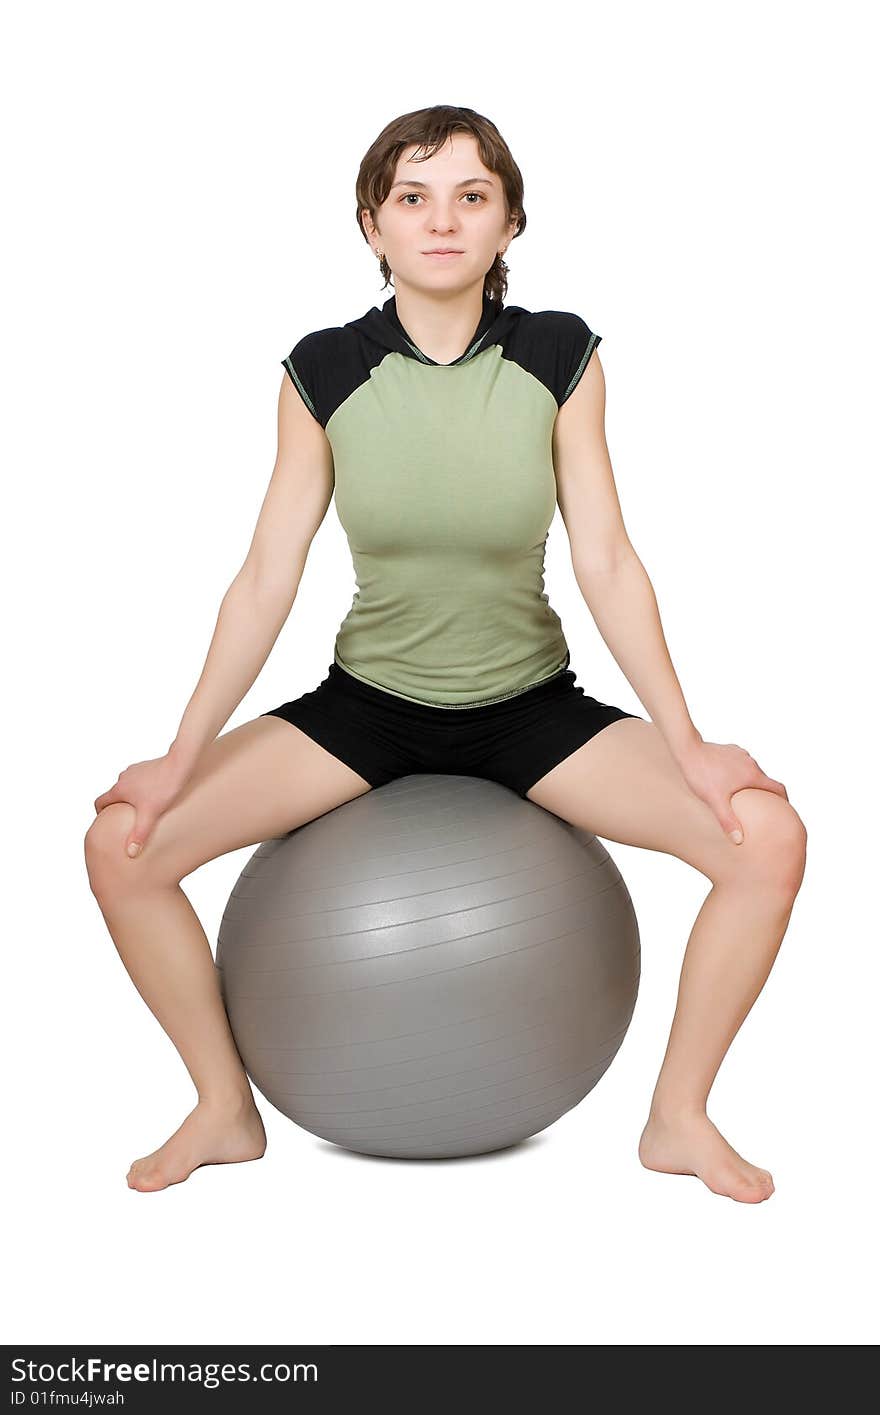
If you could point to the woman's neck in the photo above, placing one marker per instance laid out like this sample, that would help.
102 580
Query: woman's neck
440 326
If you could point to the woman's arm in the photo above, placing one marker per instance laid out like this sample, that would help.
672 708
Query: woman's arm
609 573
258 601
621 599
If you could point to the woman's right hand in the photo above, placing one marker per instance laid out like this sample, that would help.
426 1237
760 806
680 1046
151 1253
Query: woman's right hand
150 787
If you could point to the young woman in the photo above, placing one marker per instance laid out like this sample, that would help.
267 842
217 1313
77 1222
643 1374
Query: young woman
448 425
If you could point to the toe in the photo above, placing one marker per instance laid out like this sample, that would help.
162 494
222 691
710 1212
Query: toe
148 1183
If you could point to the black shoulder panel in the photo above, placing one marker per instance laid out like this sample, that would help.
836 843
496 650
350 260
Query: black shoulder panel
326 366
555 346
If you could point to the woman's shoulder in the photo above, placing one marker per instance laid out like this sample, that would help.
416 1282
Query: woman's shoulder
314 366
558 347
560 324
316 344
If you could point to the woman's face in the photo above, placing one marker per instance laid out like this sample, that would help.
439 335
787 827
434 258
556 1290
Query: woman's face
450 200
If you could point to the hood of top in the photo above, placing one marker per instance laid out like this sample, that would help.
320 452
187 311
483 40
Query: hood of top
384 328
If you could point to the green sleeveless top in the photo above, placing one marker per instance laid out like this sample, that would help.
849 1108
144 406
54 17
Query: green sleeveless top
445 488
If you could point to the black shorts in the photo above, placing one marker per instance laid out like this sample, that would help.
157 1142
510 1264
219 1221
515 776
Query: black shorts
515 741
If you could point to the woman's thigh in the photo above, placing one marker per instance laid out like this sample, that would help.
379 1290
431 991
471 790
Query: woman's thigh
625 785
253 783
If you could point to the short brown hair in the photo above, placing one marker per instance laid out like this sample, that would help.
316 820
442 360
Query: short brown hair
430 128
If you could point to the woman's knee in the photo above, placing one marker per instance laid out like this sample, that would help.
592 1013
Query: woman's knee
109 867
774 848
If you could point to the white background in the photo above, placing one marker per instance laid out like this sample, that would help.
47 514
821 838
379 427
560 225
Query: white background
182 210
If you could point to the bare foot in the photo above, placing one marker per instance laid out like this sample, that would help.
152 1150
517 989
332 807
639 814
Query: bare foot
690 1144
211 1134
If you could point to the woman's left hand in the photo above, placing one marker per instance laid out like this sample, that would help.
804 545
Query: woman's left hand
714 772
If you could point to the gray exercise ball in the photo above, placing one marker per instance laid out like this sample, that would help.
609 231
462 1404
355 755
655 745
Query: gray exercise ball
436 968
